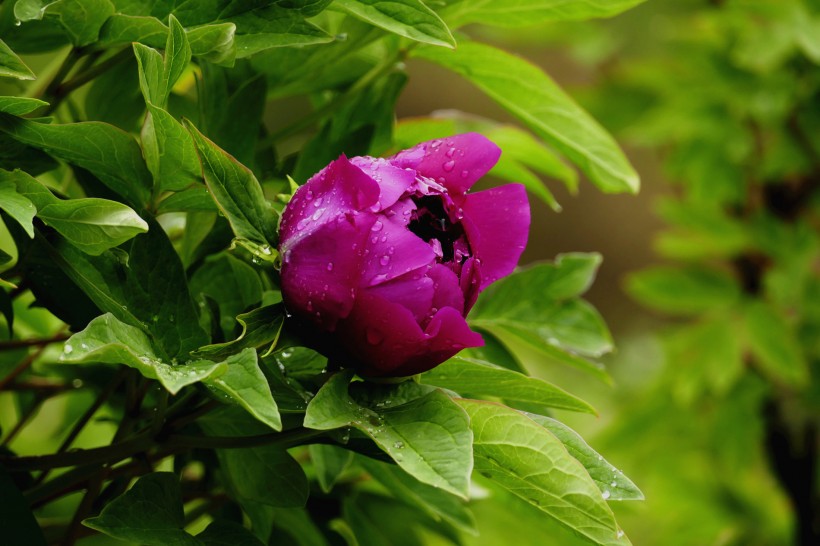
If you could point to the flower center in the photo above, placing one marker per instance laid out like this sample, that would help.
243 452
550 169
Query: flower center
431 221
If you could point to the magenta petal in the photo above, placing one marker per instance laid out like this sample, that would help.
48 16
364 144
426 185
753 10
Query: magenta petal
497 223
470 279
413 291
319 273
457 162
381 334
392 250
447 290
393 181
446 335
339 188
389 343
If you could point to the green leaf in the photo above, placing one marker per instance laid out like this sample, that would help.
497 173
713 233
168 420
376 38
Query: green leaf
236 192
531 96
147 289
93 225
244 383
109 153
214 43
551 320
775 345
436 503
12 67
689 291
231 283
330 462
267 474
408 18
18 206
177 55
20 106
525 458
611 481
18 523
519 13
470 377
271 26
150 513
82 19
428 437
227 533
260 327
196 199
106 340
169 152
125 29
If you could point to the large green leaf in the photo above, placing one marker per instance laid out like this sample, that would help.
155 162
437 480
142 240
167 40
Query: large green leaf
470 377
18 206
20 106
11 66
549 318
147 289
82 19
244 383
519 13
150 513
408 18
109 153
524 457
106 340
93 225
329 462
531 96
611 481
236 192
169 152
428 436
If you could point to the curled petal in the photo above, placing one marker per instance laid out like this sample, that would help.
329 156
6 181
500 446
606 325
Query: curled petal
447 290
319 272
393 181
457 162
388 342
497 223
393 250
339 188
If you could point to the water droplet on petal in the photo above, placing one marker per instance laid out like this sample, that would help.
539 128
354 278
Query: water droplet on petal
450 152
377 226
384 260
448 167
465 174
329 267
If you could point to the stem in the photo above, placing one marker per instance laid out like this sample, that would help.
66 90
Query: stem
86 418
20 343
375 73
20 368
284 439
62 90
69 62
25 418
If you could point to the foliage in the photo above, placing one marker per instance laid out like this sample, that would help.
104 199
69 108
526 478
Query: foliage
727 92
153 386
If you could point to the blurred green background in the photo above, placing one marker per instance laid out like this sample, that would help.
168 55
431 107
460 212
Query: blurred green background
686 86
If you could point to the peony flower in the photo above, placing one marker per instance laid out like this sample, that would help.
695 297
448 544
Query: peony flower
387 256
